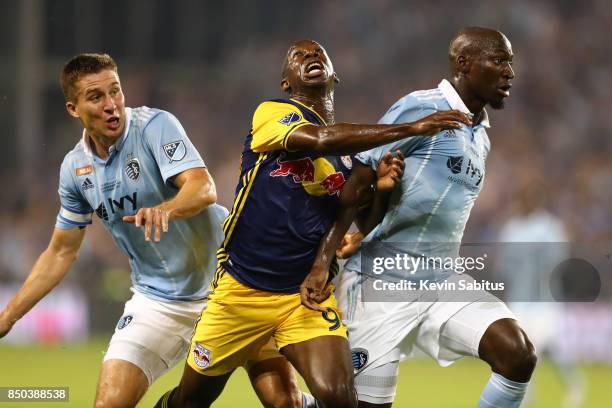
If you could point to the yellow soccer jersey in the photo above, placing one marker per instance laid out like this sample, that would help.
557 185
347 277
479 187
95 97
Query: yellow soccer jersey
285 201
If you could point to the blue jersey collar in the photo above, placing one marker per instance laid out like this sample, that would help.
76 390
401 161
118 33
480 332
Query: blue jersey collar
455 102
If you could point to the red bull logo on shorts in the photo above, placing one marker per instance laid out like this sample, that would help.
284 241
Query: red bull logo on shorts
201 356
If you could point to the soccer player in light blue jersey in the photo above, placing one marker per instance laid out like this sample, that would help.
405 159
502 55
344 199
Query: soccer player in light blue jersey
137 170
425 217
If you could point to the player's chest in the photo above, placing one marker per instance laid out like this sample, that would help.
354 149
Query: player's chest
318 176
117 187
457 157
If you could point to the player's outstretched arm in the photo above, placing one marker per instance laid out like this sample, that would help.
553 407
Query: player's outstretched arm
347 138
196 192
355 192
49 270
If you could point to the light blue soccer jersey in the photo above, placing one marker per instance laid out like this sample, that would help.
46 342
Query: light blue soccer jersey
152 149
443 176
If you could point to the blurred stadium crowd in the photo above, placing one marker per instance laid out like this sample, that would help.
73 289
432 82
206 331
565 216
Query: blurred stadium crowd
210 63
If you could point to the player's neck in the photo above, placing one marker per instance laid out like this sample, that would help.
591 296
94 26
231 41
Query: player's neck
474 104
323 105
100 145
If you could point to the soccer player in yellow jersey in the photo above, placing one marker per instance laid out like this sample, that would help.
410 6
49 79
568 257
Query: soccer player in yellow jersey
294 164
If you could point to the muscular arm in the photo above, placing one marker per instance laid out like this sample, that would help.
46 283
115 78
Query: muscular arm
196 192
366 219
355 192
347 138
389 174
48 271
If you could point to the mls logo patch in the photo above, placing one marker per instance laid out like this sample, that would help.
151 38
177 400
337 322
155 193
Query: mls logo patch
360 358
201 356
124 321
132 169
290 118
175 151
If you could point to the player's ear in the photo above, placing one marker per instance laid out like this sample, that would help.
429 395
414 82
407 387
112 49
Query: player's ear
462 64
336 78
72 109
285 85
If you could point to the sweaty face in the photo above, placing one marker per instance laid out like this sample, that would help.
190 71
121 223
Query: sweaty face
491 73
308 64
100 104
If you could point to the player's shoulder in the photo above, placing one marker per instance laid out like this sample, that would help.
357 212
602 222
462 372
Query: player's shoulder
147 124
284 111
143 116
77 151
277 103
424 96
425 99
76 163
75 157
274 106
416 104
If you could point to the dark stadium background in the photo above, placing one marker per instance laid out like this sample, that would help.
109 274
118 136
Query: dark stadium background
212 62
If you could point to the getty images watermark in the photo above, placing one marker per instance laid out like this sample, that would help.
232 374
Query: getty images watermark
425 265
515 272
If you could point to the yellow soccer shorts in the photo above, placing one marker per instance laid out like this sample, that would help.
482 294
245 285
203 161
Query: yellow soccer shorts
239 322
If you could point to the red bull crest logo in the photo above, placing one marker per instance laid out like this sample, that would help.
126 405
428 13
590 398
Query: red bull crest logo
201 356
318 177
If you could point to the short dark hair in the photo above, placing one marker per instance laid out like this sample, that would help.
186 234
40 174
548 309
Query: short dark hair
81 65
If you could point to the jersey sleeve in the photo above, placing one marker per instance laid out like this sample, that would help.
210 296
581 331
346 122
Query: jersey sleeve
406 110
75 211
170 146
273 122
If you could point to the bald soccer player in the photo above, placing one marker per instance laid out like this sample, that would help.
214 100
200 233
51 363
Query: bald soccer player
425 219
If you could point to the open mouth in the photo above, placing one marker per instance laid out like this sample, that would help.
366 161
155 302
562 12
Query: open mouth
313 69
504 90
113 122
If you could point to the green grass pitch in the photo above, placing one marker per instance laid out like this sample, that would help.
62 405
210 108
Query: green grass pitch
422 383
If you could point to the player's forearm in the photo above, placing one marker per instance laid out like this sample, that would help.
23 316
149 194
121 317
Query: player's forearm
47 273
369 218
356 193
332 239
193 197
347 138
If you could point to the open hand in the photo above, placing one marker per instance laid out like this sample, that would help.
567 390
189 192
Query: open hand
152 218
439 121
349 245
390 171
